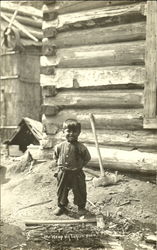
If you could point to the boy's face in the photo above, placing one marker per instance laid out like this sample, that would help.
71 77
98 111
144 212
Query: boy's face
71 134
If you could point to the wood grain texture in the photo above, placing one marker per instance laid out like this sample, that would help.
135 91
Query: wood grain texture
109 119
116 159
88 77
125 138
101 35
63 7
88 15
129 53
97 99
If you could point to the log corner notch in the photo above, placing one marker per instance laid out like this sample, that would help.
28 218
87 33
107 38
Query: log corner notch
150 93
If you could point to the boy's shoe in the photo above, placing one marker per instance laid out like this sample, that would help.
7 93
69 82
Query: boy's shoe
82 211
59 211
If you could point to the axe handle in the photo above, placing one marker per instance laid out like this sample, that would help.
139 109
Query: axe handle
92 121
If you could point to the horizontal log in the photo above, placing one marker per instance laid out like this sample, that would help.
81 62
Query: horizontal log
134 161
37 33
51 31
88 15
129 53
124 138
37 23
111 119
29 42
87 77
97 99
63 7
19 26
117 33
7 6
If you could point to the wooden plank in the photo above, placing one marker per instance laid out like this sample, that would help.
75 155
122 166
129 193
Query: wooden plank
88 15
97 99
117 33
110 119
116 159
150 107
63 7
129 53
124 138
87 77
10 65
30 68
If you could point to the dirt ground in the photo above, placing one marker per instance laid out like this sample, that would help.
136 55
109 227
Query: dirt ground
128 208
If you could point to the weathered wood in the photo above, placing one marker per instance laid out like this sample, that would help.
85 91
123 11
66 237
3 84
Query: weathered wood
150 108
9 77
29 43
150 123
48 70
111 119
10 65
133 161
75 77
47 110
49 2
24 30
50 32
37 23
129 53
63 7
97 99
24 10
72 221
49 91
24 39
49 49
117 33
124 138
49 15
110 11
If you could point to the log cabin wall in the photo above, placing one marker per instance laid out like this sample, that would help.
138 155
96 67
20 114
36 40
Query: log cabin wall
93 61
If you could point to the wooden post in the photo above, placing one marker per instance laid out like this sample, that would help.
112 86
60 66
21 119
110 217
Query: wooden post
151 66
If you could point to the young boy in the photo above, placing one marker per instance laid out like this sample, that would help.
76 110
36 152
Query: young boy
71 156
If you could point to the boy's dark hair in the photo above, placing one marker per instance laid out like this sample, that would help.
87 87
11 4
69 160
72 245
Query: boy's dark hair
72 124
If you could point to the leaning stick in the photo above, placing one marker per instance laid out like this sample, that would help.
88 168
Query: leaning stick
12 19
76 221
92 121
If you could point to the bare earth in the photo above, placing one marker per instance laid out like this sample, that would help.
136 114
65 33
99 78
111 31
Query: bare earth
129 210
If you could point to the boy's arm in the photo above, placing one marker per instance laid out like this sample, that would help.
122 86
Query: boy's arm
87 157
55 157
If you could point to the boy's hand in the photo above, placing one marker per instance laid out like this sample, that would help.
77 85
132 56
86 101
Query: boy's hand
55 174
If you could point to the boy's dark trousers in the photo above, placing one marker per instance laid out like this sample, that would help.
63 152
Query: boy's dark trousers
74 180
